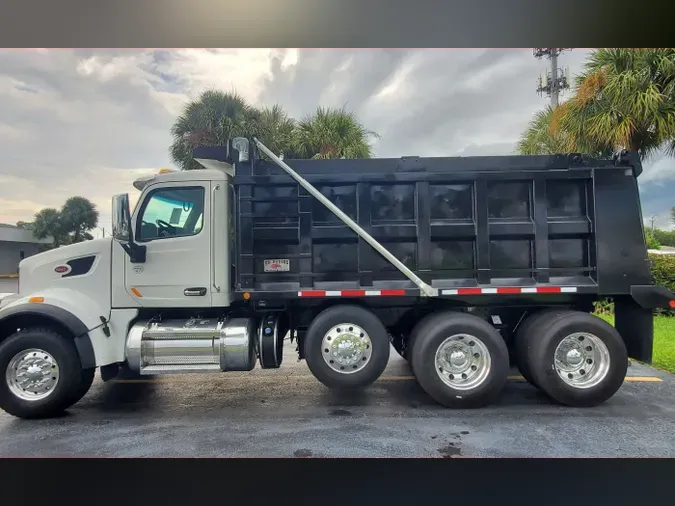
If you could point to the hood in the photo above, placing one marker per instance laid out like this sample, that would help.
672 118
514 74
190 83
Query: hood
58 265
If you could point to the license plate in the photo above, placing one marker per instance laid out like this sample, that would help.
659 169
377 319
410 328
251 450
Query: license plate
277 265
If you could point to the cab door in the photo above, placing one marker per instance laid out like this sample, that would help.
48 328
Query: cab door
173 222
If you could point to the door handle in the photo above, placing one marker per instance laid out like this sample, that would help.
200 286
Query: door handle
195 292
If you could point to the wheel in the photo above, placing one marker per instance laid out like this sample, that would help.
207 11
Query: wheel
459 360
40 373
577 359
531 328
346 347
86 380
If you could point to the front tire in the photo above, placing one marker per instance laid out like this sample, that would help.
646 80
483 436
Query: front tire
40 374
347 347
578 359
86 380
459 360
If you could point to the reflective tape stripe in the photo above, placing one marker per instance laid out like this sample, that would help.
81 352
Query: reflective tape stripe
504 290
499 290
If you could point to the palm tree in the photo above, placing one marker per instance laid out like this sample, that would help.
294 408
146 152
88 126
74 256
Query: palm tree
625 98
332 133
216 116
276 130
540 138
544 136
210 120
47 224
69 225
77 217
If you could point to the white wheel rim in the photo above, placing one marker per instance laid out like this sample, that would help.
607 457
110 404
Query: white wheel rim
346 348
32 375
582 360
463 362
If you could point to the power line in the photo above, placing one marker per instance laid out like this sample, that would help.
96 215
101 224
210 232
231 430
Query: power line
552 82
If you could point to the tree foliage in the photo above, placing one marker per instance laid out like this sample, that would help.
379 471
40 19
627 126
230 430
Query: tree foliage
665 237
623 99
47 224
210 120
651 240
216 116
543 136
333 133
71 224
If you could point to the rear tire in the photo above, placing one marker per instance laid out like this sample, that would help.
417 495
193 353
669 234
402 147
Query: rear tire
459 360
578 359
346 347
531 329
40 373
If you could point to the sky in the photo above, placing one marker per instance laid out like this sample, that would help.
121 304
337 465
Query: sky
88 123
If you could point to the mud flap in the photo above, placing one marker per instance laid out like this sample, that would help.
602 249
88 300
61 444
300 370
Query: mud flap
636 325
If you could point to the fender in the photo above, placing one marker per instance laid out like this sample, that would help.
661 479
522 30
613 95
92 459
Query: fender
67 319
653 296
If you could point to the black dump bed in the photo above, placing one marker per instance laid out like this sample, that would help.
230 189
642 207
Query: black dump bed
476 224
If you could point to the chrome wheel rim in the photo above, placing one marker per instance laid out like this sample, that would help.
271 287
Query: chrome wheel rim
346 348
582 360
32 374
463 362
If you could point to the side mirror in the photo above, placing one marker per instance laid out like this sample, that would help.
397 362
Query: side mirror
122 231
121 219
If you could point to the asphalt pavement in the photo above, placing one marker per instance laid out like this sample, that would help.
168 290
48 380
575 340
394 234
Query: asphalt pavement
287 413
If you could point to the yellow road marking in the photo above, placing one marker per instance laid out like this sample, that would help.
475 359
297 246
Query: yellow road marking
183 379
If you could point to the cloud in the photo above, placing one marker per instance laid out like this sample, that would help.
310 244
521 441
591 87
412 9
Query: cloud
85 122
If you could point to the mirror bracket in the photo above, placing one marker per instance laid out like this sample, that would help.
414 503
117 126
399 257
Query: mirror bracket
136 252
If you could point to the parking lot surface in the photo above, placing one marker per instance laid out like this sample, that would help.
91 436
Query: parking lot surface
287 413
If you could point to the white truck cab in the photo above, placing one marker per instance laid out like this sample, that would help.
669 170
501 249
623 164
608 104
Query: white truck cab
84 296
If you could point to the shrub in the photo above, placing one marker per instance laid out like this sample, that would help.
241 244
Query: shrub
663 272
665 237
651 240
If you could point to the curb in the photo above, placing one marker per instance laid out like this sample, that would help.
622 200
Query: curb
9 276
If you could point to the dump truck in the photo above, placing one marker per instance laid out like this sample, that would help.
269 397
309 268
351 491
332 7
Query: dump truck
465 266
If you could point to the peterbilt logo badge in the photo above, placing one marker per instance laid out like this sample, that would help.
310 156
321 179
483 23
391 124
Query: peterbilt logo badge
62 269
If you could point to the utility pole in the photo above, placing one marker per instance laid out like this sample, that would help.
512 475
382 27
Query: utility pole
652 218
555 80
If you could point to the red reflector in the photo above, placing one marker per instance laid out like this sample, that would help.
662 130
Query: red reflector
469 291
508 290
548 289
672 303
313 293
353 293
392 292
